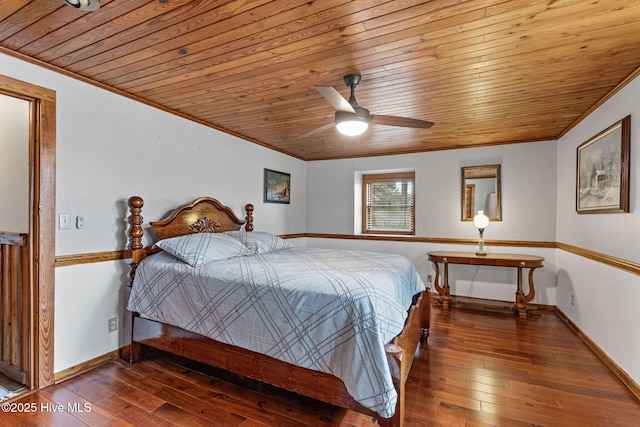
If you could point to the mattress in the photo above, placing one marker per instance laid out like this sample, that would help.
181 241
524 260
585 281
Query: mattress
322 309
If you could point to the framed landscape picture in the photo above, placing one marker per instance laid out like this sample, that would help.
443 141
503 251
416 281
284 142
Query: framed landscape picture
277 186
602 178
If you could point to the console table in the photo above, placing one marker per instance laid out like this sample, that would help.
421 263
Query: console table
498 260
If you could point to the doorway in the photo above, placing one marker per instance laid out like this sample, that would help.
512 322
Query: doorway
32 263
15 149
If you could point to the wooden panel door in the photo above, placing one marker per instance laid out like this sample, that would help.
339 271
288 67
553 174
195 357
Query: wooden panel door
15 299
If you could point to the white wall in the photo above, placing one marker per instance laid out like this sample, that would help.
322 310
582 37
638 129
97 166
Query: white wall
121 148
110 148
528 211
605 298
14 164
528 191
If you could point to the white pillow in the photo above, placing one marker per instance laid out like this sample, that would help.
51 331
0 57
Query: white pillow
260 242
201 248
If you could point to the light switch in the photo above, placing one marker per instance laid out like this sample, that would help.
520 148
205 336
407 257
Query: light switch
64 222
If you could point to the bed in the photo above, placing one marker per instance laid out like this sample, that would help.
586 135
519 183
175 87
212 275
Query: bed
338 326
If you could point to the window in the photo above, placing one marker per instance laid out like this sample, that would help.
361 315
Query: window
388 203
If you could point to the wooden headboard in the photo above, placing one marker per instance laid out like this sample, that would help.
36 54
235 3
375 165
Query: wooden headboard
203 215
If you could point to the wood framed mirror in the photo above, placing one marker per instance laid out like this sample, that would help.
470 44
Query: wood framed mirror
481 192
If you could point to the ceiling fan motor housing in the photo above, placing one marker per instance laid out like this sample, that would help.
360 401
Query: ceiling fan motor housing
361 114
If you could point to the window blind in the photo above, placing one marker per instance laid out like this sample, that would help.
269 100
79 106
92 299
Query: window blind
388 203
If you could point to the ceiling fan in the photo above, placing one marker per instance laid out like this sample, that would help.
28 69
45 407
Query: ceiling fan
84 5
351 119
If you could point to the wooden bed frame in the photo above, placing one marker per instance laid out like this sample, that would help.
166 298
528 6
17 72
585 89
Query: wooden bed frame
208 215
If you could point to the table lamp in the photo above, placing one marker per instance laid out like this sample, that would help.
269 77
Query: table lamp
481 221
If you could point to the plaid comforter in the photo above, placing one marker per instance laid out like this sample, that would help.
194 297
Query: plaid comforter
327 310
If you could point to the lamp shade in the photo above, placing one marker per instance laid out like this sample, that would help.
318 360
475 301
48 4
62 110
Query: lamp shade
351 124
481 221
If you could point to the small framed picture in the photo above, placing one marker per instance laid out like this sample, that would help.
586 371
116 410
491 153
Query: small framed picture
602 177
277 187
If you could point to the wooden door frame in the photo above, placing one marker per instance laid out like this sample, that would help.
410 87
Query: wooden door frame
41 224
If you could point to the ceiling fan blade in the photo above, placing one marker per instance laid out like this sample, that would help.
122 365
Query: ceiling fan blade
335 99
317 130
400 121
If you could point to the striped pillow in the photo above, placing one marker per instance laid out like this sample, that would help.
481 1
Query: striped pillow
260 242
201 248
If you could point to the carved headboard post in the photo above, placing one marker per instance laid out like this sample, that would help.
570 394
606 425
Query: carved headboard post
135 232
249 224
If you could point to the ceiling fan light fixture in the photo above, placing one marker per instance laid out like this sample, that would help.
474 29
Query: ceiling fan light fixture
351 119
84 5
350 124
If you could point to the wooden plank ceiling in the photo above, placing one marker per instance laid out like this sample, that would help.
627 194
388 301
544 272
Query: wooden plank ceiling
485 71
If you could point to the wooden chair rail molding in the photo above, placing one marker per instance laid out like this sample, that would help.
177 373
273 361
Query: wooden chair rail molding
419 239
622 264
65 260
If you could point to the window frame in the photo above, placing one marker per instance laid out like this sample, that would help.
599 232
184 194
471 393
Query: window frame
388 177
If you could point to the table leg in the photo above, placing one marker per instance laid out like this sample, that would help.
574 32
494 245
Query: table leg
532 288
446 298
521 298
443 291
520 305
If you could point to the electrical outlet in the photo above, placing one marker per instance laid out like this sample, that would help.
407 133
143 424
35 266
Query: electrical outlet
573 299
113 324
429 278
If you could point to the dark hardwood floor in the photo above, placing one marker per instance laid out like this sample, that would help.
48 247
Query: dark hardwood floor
479 369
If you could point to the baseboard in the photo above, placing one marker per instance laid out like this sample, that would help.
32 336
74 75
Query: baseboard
619 372
85 366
